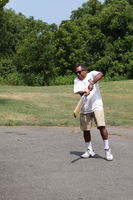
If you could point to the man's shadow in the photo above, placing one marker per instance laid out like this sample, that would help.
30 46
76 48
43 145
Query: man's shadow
78 153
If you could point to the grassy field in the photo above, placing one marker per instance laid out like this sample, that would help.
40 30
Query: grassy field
54 105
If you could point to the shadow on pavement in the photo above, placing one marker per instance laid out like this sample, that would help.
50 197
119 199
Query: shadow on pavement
78 153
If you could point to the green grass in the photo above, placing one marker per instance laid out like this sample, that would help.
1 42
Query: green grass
54 105
118 102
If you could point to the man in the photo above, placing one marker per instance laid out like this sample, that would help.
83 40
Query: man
87 84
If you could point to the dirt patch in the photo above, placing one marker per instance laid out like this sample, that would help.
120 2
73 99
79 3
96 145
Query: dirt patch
21 96
16 96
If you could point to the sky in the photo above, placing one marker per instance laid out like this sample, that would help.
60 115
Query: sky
50 11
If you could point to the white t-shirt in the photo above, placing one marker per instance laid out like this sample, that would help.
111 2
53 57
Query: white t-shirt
94 100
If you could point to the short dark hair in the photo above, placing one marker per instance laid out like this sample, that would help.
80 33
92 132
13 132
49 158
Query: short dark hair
80 64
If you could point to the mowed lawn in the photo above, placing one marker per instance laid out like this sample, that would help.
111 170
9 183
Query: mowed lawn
54 105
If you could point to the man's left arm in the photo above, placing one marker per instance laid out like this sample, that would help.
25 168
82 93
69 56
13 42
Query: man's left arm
97 78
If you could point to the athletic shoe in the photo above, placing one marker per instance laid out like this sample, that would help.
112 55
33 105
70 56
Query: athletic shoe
108 155
88 154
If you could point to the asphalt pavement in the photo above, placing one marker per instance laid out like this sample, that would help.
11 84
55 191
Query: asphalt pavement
43 163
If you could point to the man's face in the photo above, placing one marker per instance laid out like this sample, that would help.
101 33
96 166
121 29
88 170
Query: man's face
80 72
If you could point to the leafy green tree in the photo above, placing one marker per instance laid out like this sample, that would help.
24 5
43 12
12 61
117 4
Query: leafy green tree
36 51
130 2
91 7
75 37
12 25
98 35
116 24
2 4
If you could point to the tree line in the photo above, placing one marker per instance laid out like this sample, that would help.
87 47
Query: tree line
33 52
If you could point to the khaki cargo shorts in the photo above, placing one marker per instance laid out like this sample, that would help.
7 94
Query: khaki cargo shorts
86 120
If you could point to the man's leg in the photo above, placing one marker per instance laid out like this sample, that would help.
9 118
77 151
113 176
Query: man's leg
103 132
104 135
89 152
100 122
85 125
87 136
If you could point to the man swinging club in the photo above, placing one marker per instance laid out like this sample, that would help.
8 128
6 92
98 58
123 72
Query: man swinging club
87 84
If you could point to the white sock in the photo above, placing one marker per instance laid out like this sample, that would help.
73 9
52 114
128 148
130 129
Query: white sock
106 144
89 145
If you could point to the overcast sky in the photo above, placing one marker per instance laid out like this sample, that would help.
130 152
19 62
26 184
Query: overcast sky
50 11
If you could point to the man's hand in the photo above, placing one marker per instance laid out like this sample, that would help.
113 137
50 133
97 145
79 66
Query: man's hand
87 92
90 87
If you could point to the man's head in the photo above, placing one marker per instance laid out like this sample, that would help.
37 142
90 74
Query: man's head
80 71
